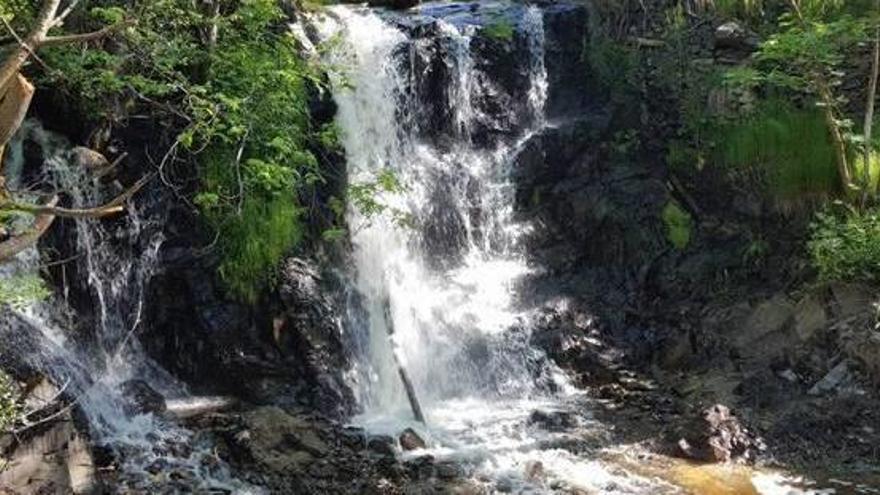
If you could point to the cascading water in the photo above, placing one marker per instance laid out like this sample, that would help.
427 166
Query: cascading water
444 284
116 261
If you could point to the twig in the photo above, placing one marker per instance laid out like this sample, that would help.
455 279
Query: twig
238 170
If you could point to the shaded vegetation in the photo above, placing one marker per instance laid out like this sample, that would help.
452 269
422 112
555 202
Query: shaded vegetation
846 247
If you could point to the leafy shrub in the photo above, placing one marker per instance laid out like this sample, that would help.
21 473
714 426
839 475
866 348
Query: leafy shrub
846 247
10 403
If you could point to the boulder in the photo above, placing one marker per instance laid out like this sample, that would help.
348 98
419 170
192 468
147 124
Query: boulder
734 36
718 436
410 440
809 317
89 160
141 398
838 377
394 4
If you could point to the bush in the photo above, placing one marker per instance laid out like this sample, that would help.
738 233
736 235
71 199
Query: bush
846 247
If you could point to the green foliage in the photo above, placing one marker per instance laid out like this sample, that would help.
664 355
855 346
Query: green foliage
239 101
846 247
679 225
367 198
789 147
21 290
615 66
10 403
500 30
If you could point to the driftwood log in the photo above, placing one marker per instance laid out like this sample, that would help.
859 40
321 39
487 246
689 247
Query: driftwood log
404 377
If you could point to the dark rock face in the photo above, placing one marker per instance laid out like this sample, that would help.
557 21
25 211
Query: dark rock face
718 436
294 358
141 398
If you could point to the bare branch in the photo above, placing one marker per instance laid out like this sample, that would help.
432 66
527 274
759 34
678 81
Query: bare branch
85 37
112 208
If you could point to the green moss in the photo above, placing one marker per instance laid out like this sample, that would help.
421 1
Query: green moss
499 29
678 225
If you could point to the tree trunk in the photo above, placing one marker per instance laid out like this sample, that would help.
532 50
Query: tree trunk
869 111
837 139
12 65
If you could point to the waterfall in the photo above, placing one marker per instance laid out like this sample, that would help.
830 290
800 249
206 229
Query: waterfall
449 278
115 259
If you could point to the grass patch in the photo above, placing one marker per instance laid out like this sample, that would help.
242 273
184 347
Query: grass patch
500 30
790 147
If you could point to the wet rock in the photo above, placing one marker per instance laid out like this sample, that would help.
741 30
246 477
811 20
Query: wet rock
734 36
141 398
449 470
410 440
381 444
718 436
839 376
555 421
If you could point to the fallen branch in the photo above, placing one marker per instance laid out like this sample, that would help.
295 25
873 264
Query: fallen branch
113 207
11 247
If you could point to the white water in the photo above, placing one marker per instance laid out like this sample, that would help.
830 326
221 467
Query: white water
456 327
116 260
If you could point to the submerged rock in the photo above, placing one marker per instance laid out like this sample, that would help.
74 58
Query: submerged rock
141 398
